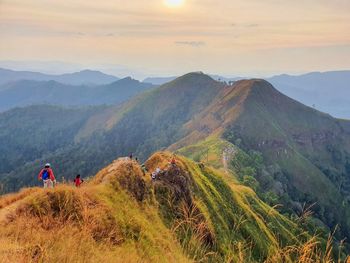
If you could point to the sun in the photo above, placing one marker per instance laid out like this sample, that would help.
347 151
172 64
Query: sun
174 3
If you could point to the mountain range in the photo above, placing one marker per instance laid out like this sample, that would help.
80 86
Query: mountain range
85 77
290 154
29 92
326 91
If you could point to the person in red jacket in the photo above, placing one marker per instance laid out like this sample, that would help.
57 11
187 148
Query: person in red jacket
46 174
78 181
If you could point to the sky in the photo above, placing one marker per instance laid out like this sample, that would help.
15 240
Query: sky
153 38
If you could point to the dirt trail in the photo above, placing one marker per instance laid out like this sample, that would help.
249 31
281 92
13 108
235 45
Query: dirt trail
227 154
224 161
9 203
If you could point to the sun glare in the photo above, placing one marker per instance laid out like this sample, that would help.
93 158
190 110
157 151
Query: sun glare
174 3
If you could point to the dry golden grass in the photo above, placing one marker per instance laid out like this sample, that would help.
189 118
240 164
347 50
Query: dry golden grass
161 160
85 225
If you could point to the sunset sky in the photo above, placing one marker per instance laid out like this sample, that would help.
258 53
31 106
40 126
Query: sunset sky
155 37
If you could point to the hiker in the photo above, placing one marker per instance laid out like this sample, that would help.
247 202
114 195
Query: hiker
46 174
78 181
173 161
130 156
153 176
155 173
144 169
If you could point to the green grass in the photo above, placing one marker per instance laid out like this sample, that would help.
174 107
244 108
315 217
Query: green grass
208 151
239 216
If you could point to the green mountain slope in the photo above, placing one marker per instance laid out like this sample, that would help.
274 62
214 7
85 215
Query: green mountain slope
143 125
29 133
311 148
289 153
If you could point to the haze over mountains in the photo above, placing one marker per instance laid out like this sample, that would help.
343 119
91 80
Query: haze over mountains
29 92
289 153
85 77
327 91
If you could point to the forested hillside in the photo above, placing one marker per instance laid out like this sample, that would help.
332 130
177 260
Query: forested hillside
27 134
28 92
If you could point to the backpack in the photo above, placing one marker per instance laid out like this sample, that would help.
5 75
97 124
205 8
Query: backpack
45 175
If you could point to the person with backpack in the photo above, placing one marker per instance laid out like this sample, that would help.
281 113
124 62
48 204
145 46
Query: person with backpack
48 177
144 169
78 181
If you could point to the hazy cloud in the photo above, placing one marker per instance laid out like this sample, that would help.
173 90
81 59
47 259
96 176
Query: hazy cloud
252 25
245 25
191 43
257 33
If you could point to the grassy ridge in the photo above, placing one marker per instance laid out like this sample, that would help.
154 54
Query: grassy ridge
192 212
95 224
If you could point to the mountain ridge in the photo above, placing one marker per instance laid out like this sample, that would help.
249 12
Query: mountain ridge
29 92
84 77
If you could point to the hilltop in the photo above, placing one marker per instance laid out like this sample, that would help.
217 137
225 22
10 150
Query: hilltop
191 212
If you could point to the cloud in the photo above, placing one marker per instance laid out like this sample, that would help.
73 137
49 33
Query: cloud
68 33
251 25
245 25
191 43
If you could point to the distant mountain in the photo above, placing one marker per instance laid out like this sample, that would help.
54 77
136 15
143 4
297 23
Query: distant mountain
85 77
159 80
328 91
28 92
289 153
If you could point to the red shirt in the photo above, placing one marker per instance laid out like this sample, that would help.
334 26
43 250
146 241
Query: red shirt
49 170
78 182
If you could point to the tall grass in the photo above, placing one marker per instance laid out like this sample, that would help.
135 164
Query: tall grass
91 224
196 237
107 221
